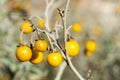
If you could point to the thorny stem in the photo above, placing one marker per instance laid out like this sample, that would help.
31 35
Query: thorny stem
64 22
65 39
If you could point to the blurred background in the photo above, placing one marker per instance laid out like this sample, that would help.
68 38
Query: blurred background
99 20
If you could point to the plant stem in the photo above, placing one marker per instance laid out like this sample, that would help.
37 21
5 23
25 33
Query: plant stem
65 39
21 39
60 71
21 35
49 4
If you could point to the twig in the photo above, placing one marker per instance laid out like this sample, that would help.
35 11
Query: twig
31 39
51 43
21 34
49 4
55 6
35 17
63 16
35 28
60 71
68 28
55 41
89 75
60 50
48 36
56 30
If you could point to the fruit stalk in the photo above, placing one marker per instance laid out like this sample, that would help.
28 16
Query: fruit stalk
21 35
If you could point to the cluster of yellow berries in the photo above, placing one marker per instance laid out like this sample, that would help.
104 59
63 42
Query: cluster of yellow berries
35 55
90 47
28 27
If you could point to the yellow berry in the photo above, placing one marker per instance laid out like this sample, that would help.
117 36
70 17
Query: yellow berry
40 45
37 57
40 24
90 45
76 27
54 59
72 48
23 53
26 26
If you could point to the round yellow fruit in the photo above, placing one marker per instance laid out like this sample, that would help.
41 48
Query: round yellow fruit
40 24
40 45
23 53
26 26
37 57
76 27
54 59
90 45
72 48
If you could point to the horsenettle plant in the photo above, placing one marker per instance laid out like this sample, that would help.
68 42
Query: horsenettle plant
57 54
